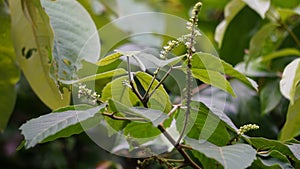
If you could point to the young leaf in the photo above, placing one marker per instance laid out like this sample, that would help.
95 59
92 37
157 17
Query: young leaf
56 125
231 157
210 62
99 76
33 50
109 59
290 80
74 39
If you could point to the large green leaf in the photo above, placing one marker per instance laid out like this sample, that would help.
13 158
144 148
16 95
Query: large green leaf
75 37
291 127
203 124
209 62
290 80
260 6
231 10
60 124
33 42
231 157
9 72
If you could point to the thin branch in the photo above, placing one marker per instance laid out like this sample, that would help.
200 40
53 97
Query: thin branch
186 157
160 82
199 88
186 146
175 107
113 116
174 160
151 83
134 90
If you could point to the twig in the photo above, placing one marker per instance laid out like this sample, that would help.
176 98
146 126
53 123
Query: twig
160 82
113 116
134 90
178 147
175 107
151 83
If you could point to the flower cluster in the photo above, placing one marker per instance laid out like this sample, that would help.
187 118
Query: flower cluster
166 49
189 39
246 128
93 97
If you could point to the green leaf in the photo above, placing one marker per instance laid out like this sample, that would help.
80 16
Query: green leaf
109 59
119 91
160 99
270 96
56 125
231 157
286 13
261 143
207 162
231 10
213 78
150 115
290 80
210 62
143 131
260 6
98 76
260 40
255 69
74 39
33 50
291 126
281 53
203 124
10 73
273 159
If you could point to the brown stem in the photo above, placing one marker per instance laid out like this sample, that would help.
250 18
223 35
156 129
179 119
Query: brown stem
178 147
